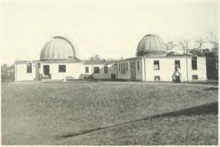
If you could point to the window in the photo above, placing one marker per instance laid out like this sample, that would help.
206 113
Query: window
123 68
127 66
113 76
86 69
194 63
177 64
119 67
62 68
105 69
156 65
29 68
138 65
156 78
195 77
96 70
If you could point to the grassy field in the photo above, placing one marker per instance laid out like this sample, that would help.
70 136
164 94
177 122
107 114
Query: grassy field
109 113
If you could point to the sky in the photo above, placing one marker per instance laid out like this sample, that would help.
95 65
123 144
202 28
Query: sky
109 28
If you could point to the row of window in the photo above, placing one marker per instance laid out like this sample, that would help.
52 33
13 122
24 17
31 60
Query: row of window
62 68
157 78
97 69
176 64
123 67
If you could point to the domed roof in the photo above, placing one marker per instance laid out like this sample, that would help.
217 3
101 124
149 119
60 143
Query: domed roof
57 48
151 44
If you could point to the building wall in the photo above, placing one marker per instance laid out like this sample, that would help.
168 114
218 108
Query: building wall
101 75
73 70
167 69
21 72
145 72
201 69
127 73
139 71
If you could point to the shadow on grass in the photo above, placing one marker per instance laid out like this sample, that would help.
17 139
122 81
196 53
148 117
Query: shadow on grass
211 108
212 88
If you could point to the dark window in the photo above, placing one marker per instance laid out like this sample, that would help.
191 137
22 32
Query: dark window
195 77
123 68
113 76
119 67
156 78
127 66
29 68
156 65
96 70
106 69
194 63
177 64
87 69
138 65
62 68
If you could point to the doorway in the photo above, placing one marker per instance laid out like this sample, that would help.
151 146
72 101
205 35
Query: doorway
46 70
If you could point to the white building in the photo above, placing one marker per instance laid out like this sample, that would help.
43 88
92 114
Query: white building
58 62
154 63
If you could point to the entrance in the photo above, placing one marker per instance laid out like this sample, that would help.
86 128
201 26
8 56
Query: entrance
46 70
133 71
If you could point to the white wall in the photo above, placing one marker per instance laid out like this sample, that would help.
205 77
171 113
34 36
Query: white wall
167 68
146 70
102 75
201 69
73 70
127 74
21 72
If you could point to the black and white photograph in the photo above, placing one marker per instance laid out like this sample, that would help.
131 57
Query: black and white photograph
108 72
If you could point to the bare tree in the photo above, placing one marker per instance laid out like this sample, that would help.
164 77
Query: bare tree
200 43
170 45
214 40
185 45
95 57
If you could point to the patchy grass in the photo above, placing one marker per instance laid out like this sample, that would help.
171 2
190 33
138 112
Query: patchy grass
106 113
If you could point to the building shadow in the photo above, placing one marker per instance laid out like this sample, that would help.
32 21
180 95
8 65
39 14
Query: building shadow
211 89
211 108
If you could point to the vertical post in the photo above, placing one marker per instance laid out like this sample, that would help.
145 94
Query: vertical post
99 74
15 72
187 66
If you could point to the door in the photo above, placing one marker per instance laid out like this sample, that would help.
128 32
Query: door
177 69
46 70
133 71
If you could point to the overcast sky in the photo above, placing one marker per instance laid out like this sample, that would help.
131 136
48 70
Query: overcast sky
109 28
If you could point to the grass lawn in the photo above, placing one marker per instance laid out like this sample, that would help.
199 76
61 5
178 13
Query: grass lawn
109 113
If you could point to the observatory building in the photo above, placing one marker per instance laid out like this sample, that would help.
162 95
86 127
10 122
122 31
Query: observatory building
153 63
58 61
